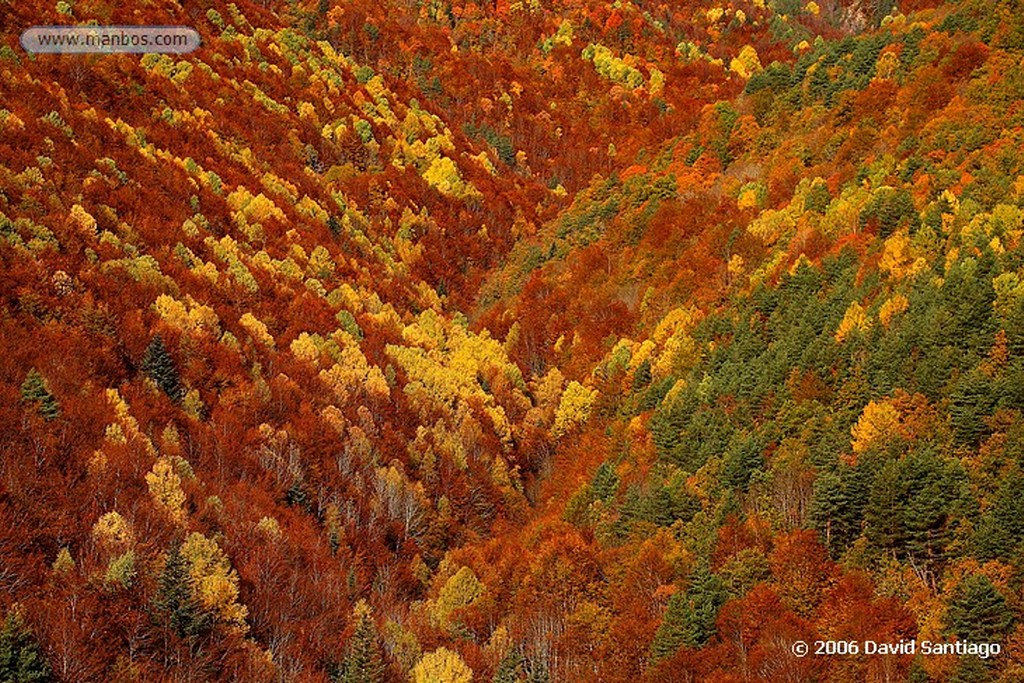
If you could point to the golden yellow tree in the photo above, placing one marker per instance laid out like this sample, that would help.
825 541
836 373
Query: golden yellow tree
460 591
165 487
257 330
892 307
574 408
878 422
441 666
214 582
746 63
113 531
854 320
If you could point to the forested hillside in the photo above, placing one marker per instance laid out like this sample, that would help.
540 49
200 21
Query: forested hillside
521 342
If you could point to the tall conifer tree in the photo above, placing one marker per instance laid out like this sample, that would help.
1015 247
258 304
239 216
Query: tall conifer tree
160 367
20 658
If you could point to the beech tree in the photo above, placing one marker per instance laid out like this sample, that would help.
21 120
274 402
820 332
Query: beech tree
441 666
740 270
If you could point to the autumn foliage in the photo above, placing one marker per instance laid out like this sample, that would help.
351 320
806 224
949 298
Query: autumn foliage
532 341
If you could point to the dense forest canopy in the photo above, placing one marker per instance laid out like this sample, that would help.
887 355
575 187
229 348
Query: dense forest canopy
522 341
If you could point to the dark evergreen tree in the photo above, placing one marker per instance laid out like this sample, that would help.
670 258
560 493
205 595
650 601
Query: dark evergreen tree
537 671
642 376
335 226
705 598
158 364
741 460
606 482
1011 385
972 669
654 394
818 198
969 403
917 673
34 391
296 495
885 510
978 611
887 210
1001 528
174 604
661 506
20 658
967 295
837 508
690 616
706 434
667 426
510 669
938 502
1013 323
363 661
672 631
915 506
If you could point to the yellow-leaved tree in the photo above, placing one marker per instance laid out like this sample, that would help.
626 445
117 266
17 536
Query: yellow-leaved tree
257 330
165 487
461 590
441 666
444 175
320 264
573 409
892 307
214 582
854 320
898 257
879 421
113 531
746 63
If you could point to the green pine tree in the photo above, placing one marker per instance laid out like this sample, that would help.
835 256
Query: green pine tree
20 659
667 425
537 672
978 611
915 507
885 512
917 673
363 661
1014 326
704 598
742 458
837 508
972 669
1001 528
642 377
174 604
672 631
690 617
606 482
970 402
938 503
510 669
158 364
34 390
296 495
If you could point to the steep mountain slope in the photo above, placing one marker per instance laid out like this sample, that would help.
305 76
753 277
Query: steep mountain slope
845 360
538 341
